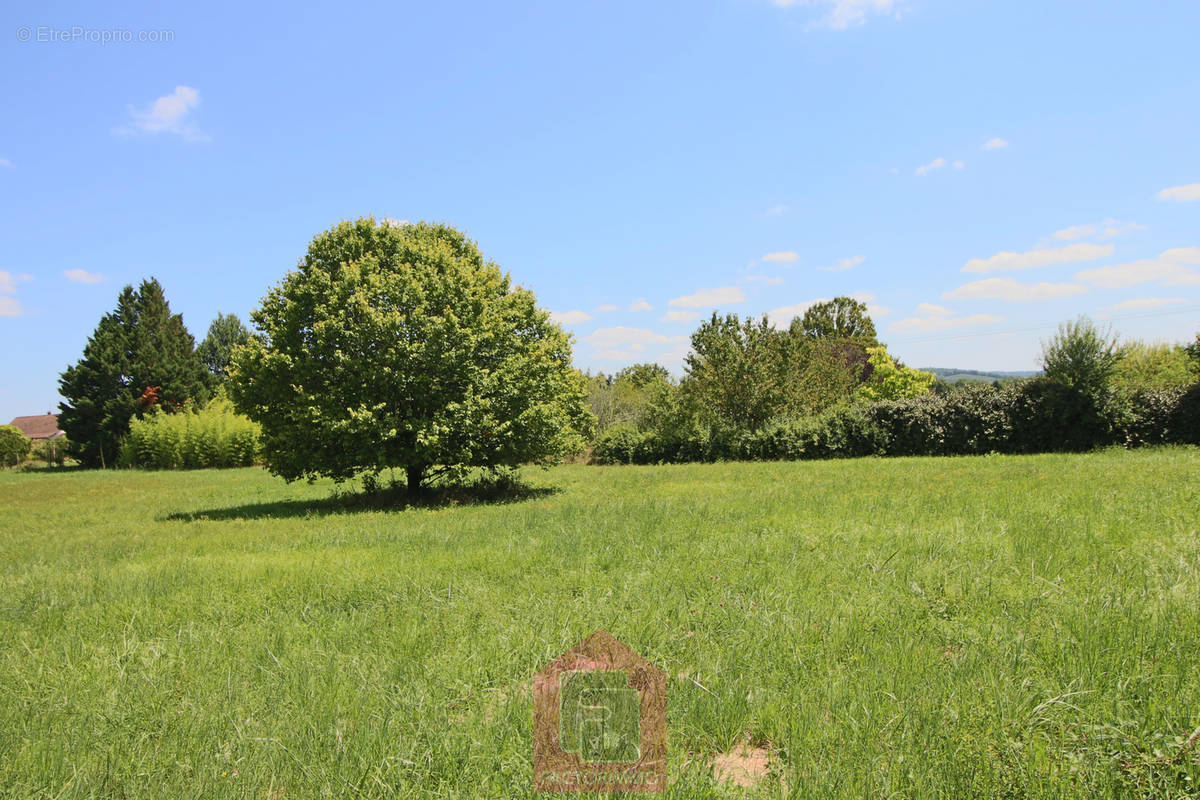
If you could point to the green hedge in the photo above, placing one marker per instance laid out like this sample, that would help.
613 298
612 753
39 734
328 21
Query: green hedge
1034 416
213 437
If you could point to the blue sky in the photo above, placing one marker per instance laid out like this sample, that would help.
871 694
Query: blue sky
977 171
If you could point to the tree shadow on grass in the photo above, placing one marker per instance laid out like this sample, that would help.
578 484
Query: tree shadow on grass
389 499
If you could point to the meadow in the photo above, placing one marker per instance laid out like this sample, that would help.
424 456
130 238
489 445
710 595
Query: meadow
995 626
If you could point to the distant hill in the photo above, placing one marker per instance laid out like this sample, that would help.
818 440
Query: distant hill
950 375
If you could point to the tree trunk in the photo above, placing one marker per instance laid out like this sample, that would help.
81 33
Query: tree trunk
414 474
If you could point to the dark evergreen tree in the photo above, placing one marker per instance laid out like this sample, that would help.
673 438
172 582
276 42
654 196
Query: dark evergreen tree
216 351
140 356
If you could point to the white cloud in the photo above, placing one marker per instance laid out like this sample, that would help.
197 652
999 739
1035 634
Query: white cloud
4 162
680 316
939 318
9 306
621 336
872 309
706 298
167 114
782 257
1181 194
959 164
604 309
1182 255
777 210
8 281
765 279
392 222
83 276
1107 229
995 144
925 169
843 14
570 317
1139 303
640 305
782 317
1042 257
844 264
1169 269
1012 291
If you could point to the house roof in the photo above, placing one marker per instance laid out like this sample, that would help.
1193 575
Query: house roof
43 426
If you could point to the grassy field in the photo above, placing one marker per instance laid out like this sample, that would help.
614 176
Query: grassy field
933 628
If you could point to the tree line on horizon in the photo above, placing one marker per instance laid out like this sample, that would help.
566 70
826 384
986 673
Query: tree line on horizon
400 346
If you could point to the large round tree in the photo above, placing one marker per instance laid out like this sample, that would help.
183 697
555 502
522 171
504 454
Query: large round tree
397 345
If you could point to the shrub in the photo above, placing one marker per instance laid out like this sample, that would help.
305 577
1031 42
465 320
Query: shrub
215 436
52 451
13 446
1184 422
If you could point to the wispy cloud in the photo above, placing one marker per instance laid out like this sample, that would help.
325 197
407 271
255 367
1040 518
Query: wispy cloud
932 166
782 317
1041 257
604 309
640 305
167 114
843 264
1181 194
932 318
1171 268
995 144
782 257
1013 291
10 306
83 276
777 210
1108 229
570 317
680 316
1143 303
8 281
707 298
4 162
842 14
621 336
763 279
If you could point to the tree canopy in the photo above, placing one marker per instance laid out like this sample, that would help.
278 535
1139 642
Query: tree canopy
216 351
1082 356
401 346
140 356
839 318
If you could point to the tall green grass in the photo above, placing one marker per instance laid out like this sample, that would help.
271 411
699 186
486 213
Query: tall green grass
214 436
997 626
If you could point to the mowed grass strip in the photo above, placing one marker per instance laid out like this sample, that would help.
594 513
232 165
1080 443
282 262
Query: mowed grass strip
961 627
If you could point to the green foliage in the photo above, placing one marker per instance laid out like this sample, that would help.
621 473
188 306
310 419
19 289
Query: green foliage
1193 351
400 346
214 436
623 398
216 351
825 373
14 447
1081 356
140 356
890 381
839 318
1145 366
52 451
1032 416
738 370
